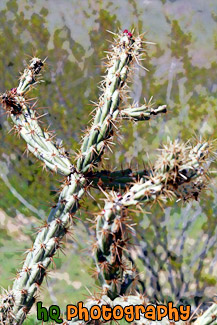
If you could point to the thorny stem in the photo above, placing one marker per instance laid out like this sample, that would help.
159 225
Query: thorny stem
178 173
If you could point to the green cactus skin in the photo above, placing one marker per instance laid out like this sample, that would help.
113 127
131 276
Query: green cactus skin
40 256
112 238
178 172
39 142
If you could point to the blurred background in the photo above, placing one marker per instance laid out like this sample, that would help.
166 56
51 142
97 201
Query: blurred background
175 248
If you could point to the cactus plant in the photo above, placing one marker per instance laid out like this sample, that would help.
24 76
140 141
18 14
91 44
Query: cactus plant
180 172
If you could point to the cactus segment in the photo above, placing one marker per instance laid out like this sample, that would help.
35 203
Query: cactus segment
142 113
25 119
124 51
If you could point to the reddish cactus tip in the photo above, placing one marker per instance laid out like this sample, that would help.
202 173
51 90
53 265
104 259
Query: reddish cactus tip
14 90
129 34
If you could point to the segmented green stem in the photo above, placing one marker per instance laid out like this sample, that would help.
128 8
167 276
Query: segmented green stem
96 139
39 142
112 232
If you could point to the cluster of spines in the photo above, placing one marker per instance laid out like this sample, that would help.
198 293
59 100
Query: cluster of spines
6 308
28 78
179 172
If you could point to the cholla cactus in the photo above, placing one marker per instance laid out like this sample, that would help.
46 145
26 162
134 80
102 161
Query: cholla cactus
179 172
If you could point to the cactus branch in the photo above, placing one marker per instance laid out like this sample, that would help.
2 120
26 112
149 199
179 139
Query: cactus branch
142 113
40 256
25 120
179 173
125 49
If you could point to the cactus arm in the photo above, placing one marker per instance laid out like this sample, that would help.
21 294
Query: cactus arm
142 113
125 49
179 173
28 78
111 240
25 120
39 142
